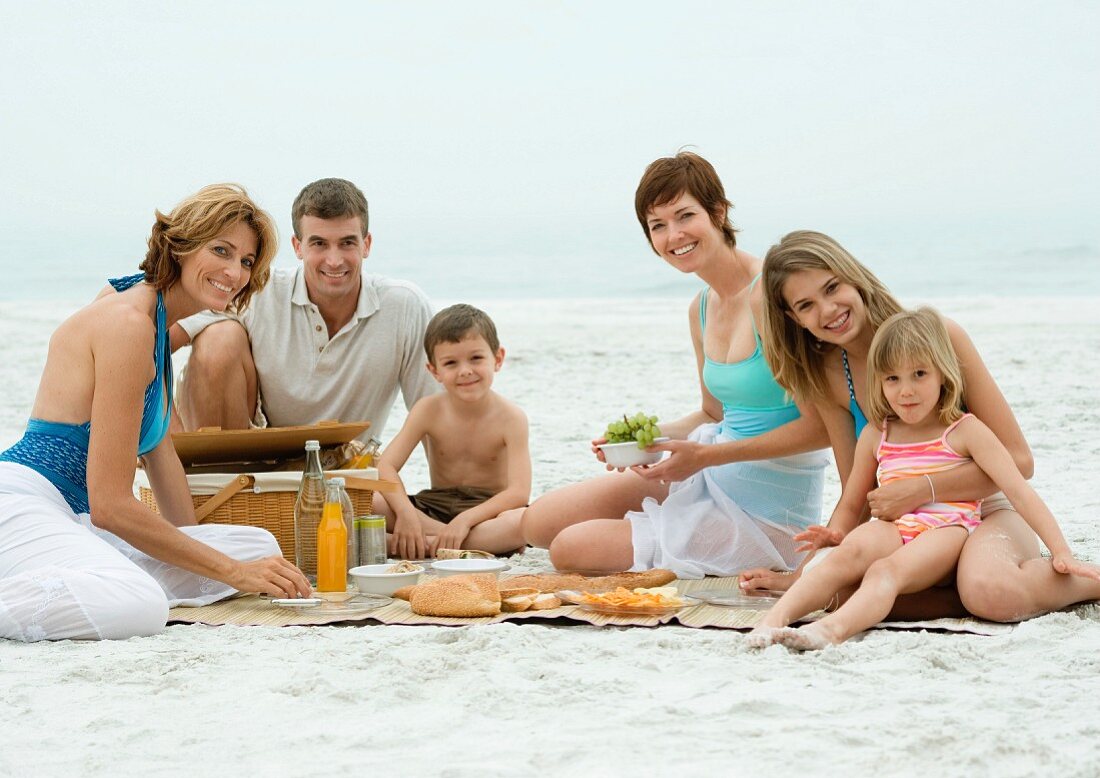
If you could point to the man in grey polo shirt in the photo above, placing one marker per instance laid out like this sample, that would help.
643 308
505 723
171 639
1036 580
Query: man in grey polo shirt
323 341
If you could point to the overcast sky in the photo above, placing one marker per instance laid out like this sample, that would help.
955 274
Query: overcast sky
480 128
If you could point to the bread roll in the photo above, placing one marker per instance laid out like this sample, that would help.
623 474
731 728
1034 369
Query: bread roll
462 596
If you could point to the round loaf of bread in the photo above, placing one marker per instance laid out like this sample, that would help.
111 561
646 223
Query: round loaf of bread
462 596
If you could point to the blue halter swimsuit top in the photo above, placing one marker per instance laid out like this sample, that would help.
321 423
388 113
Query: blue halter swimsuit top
752 402
59 451
858 418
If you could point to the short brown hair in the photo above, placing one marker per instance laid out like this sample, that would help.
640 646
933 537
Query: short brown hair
329 198
904 337
669 177
796 358
454 324
199 219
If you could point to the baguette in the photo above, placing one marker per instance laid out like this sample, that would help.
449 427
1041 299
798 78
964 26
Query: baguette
463 596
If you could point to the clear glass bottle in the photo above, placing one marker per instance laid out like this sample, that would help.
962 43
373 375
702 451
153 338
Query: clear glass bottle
349 522
307 512
332 543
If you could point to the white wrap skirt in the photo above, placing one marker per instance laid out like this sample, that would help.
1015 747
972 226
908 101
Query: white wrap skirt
732 517
62 577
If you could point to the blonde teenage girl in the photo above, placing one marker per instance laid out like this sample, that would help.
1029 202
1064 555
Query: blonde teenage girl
916 429
822 310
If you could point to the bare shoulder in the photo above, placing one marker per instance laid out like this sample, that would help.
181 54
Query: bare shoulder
112 321
427 408
511 412
968 430
869 439
960 340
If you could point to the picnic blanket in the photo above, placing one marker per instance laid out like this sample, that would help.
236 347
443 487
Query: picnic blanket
252 610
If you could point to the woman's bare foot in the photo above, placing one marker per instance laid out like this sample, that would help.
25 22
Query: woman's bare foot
812 637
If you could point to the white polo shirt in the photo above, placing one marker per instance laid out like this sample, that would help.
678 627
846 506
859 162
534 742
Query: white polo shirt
304 377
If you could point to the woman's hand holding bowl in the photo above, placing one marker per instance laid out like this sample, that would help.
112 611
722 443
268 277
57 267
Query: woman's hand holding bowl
685 459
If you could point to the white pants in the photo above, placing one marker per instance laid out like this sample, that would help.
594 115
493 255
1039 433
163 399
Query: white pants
61 577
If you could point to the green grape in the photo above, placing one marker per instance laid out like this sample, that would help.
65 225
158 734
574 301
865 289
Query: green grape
639 428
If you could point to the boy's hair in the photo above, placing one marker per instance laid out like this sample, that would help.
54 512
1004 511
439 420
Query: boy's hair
329 198
199 219
913 336
667 178
453 324
797 358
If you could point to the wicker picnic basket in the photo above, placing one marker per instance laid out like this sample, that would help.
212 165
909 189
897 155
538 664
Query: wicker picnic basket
240 502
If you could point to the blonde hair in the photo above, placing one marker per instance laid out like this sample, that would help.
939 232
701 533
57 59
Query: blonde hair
199 219
907 337
796 358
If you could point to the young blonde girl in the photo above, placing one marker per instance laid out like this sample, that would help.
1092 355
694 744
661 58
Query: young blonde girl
917 429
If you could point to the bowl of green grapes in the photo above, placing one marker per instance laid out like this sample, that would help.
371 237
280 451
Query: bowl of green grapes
627 438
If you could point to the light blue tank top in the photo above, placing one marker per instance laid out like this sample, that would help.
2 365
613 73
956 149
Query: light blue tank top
59 451
752 402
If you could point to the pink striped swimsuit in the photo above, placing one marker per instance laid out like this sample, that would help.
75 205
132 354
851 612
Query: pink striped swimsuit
914 460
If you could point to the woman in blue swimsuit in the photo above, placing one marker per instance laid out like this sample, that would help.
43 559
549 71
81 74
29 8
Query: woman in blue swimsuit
743 474
80 557
822 309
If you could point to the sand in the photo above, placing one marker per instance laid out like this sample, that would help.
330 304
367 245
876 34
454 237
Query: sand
521 699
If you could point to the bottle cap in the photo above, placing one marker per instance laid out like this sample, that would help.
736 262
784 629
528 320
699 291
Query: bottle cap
313 445
337 480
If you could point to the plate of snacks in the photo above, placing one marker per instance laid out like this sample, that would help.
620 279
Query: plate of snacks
655 601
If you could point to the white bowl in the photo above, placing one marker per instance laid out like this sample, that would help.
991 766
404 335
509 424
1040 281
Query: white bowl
445 567
373 579
628 454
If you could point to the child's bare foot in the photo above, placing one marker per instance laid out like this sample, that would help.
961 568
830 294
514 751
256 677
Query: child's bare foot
762 636
812 637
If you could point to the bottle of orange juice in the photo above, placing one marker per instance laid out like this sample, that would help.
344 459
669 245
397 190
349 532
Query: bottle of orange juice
332 544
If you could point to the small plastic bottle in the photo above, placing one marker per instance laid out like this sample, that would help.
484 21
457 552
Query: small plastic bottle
332 543
307 511
349 522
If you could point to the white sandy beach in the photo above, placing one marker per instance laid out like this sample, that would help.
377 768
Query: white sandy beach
520 699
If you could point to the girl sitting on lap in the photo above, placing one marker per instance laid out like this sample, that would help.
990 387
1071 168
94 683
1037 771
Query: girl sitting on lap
918 428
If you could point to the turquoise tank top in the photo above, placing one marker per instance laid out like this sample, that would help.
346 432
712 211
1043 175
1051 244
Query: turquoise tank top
59 451
752 402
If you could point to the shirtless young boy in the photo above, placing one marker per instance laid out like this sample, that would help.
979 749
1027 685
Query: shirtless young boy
475 442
